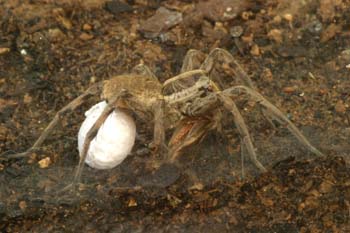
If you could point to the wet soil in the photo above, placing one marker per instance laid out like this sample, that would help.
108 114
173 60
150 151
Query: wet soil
297 54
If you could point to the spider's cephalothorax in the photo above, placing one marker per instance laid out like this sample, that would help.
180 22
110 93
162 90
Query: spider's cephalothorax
190 104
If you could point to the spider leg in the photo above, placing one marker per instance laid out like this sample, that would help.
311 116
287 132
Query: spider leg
159 129
142 69
192 60
274 113
188 132
93 90
217 55
91 135
242 129
183 76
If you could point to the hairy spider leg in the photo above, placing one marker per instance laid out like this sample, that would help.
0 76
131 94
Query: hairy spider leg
93 90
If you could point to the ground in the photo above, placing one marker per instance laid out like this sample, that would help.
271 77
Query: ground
296 52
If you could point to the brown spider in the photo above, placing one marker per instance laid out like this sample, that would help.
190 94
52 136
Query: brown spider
191 103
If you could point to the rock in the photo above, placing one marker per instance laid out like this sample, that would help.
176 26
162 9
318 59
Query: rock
255 50
86 36
55 34
4 50
326 187
236 31
22 205
117 7
222 10
289 90
44 163
340 107
276 35
87 27
330 32
163 20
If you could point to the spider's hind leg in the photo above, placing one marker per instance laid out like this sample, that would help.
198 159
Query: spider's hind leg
274 113
93 90
247 144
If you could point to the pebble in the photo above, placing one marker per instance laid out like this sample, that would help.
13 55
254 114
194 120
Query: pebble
276 35
117 7
87 27
44 163
330 32
160 22
236 31
288 17
289 90
86 36
340 107
22 205
55 34
255 50
4 50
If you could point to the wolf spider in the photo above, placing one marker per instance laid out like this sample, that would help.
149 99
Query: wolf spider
191 103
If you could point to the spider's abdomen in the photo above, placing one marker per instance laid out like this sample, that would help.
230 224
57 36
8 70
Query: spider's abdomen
143 88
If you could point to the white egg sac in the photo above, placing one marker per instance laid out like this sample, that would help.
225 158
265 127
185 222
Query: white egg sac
114 139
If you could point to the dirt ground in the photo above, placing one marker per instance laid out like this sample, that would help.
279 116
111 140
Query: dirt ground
296 52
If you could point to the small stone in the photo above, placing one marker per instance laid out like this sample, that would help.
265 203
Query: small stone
246 15
86 36
267 74
277 19
236 31
222 10
326 187
67 24
323 91
4 50
44 163
288 17
340 107
315 26
160 22
132 202
22 205
248 38
289 90
117 7
255 51
276 35
87 27
330 32
27 99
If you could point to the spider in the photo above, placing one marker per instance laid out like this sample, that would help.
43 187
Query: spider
190 104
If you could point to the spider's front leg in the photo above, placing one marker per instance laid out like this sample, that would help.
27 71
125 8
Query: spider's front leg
142 69
229 63
93 90
91 135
